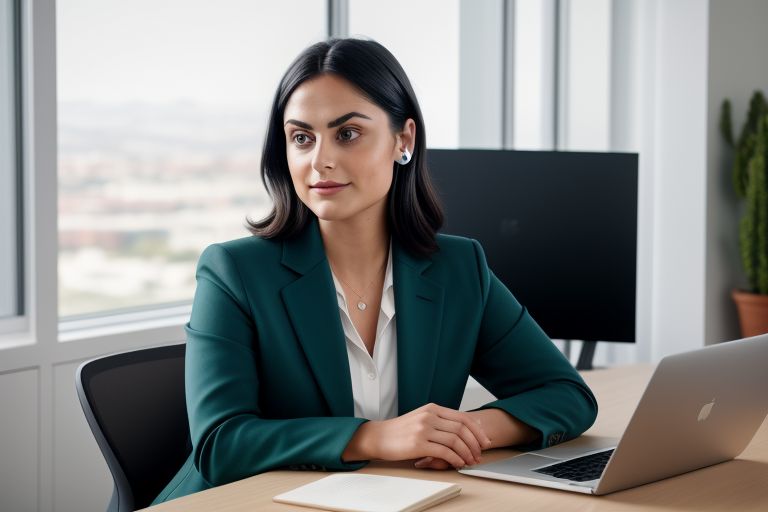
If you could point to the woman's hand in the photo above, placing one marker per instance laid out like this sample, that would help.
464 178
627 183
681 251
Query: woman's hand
430 431
502 428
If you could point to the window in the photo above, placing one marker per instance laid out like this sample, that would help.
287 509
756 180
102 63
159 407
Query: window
162 108
534 74
585 75
11 268
562 52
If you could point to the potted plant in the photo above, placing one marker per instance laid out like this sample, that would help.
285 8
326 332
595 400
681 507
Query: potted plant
750 182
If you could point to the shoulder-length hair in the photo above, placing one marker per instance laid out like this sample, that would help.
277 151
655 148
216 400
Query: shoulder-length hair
414 214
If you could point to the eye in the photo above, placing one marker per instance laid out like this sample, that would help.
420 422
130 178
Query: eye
301 139
348 134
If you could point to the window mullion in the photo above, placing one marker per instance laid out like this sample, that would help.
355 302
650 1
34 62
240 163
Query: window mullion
338 18
40 168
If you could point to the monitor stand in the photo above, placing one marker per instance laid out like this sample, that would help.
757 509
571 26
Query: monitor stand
586 355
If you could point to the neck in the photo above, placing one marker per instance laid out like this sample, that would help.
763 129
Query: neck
356 247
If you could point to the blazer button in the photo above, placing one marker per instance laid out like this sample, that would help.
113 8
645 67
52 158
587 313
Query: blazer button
554 438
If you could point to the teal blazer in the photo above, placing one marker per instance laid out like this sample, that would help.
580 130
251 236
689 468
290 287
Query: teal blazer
267 375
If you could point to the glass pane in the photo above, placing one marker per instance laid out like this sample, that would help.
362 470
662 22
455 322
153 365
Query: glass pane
162 108
534 90
587 75
430 55
9 281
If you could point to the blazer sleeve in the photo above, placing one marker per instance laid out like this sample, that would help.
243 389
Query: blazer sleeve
517 362
231 440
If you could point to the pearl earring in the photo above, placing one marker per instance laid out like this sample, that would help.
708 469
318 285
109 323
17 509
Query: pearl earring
405 158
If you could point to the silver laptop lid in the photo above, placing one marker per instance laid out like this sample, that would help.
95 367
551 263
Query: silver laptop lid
699 408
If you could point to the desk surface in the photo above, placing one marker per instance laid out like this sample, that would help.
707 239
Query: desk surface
741 484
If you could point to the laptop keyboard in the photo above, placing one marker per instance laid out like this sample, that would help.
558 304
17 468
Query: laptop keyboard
580 469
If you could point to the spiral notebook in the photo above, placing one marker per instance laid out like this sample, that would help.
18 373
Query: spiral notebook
359 492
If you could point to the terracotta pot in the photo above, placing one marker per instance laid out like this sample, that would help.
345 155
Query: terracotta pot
753 312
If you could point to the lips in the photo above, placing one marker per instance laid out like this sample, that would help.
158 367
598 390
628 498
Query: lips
328 184
328 188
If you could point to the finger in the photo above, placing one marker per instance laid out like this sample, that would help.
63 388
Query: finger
423 462
462 431
432 463
467 420
438 464
455 443
440 451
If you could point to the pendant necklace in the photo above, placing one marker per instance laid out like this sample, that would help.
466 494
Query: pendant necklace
361 305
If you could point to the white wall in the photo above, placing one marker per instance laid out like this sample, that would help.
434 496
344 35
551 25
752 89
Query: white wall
679 163
19 435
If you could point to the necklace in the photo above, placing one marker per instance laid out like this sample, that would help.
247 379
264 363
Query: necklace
361 305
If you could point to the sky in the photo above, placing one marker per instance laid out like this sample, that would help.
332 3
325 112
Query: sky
224 52
232 53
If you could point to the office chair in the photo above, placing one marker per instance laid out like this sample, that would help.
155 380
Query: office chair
134 403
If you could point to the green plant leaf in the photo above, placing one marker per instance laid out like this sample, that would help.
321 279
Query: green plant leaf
750 181
726 126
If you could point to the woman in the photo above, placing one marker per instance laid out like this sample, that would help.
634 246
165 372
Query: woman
346 328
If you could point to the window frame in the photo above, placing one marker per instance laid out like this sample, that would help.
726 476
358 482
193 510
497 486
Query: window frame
36 143
16 320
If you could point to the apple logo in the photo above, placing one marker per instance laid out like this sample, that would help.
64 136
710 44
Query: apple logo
705 410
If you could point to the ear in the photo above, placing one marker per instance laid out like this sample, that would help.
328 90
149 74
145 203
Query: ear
405 139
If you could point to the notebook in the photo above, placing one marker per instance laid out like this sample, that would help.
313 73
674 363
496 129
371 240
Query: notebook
358 492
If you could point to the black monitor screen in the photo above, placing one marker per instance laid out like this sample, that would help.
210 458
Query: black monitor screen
559 229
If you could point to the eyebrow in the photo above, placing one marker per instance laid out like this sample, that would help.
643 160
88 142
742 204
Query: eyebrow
333 124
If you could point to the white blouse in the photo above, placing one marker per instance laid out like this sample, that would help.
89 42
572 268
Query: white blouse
374 379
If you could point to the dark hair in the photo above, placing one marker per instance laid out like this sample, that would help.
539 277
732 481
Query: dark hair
414 213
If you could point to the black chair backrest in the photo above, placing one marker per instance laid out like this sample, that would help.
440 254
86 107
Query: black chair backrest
134 403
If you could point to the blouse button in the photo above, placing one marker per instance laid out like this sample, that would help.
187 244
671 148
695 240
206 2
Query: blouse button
372 376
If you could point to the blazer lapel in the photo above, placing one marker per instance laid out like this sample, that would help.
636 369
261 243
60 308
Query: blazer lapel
419 312
314 313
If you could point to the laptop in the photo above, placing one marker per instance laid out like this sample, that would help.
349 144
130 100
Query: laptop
700 408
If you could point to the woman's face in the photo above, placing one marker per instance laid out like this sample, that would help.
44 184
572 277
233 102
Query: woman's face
341 149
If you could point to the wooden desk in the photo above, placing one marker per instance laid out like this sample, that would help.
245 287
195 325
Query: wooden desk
738 485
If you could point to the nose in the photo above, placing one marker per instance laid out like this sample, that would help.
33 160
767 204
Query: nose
324 157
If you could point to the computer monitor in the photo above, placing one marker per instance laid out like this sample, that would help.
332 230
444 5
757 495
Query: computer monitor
559 229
